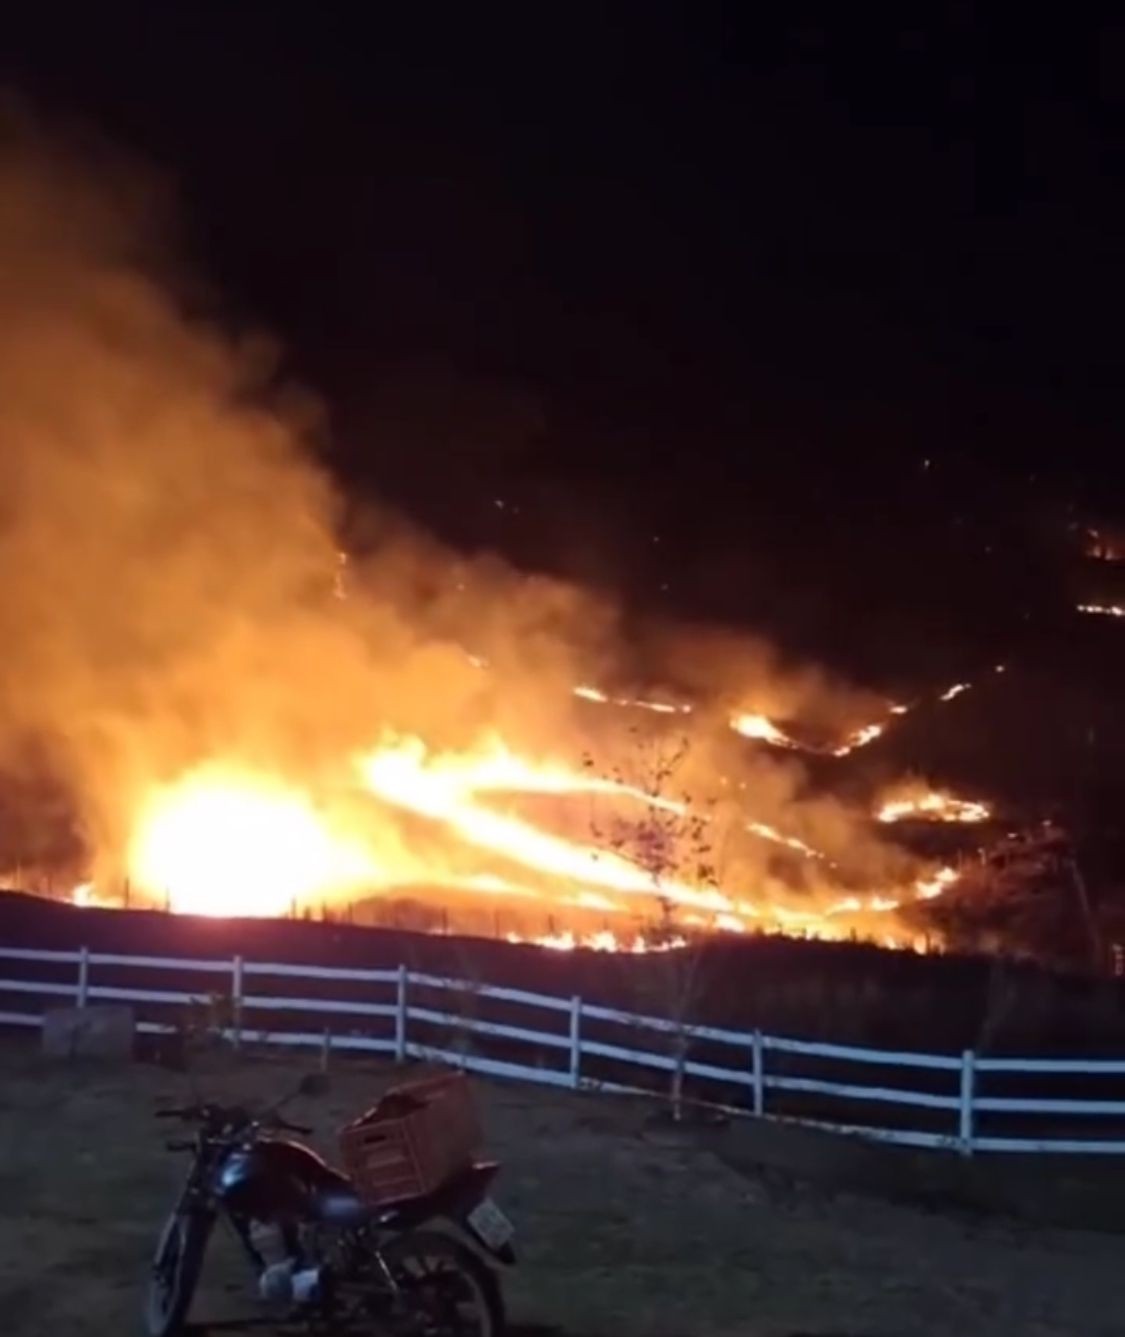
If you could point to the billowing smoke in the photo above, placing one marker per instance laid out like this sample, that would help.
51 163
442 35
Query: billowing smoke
174 600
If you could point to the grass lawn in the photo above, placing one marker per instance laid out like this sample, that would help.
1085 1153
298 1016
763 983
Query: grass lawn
621 1234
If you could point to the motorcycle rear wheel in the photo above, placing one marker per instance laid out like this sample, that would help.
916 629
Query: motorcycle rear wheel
445 1289
175 1273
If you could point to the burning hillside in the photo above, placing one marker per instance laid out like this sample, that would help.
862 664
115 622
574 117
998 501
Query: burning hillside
250 721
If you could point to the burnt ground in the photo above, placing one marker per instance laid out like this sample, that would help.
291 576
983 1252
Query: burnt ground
626 1229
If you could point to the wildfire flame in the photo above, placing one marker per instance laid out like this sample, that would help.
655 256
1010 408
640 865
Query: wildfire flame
771 833
222 842
586 693
860 738
921 804
928 888
601 941
1103 547
247 719
403 774
763 728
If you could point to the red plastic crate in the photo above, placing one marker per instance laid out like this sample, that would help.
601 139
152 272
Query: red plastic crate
417 1137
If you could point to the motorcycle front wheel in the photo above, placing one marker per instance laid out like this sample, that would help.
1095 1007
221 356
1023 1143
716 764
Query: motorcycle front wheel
175 1272
444 1289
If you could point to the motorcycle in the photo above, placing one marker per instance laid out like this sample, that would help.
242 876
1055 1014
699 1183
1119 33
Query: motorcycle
419 1267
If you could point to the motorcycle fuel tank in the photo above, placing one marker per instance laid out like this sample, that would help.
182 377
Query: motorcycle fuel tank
274 1179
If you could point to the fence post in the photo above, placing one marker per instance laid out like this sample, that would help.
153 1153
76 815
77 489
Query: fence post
575 1042
83 976
400 1016
236 1001
759 1074
965 1138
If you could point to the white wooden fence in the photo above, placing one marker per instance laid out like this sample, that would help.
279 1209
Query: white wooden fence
759 1075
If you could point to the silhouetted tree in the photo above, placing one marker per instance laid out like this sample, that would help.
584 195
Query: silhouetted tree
676 842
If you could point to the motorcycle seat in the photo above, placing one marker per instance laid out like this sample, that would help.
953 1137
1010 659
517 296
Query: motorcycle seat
337 1203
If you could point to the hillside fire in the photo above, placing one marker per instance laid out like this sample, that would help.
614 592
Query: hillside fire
250 715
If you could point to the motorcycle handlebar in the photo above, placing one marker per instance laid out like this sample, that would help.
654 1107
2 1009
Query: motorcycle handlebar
236 1118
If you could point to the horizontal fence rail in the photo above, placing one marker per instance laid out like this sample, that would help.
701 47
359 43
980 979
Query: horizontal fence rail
958 1102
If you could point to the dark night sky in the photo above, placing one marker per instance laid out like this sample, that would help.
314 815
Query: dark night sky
712 280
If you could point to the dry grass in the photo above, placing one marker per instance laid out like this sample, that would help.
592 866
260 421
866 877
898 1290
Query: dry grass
620 1234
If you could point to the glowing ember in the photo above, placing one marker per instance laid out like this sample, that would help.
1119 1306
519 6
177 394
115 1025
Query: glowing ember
1103 610
955 691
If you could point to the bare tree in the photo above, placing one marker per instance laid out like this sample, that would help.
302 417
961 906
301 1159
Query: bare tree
676 841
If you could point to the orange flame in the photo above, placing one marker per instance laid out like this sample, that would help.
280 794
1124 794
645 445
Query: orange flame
442 788
928 888
761 727
225 842
771 833
917 803
587 693
601 941
859 738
